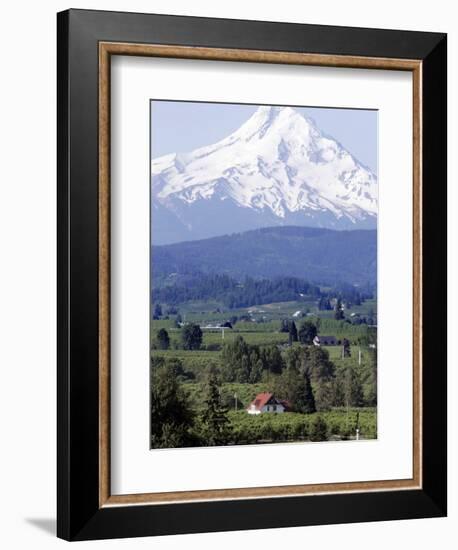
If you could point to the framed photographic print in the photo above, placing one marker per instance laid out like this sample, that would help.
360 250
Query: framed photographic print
252 269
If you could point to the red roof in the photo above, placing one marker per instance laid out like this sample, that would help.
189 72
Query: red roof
261 399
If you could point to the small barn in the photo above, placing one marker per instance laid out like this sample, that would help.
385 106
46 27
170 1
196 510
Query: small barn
267 403
325 341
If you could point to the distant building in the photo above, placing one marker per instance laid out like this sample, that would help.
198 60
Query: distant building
325 341
267 403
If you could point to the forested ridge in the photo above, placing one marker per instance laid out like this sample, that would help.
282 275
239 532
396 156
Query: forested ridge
317 255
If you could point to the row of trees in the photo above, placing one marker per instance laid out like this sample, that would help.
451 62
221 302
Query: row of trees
191 338
191 335
306 333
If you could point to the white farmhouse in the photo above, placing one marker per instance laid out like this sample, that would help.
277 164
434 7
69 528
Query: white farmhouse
267 403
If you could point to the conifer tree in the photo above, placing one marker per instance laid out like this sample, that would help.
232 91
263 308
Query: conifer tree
304 400
215 422
292 332
163 339
191 336
346 348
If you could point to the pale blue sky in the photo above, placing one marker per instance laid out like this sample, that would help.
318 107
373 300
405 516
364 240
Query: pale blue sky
181 126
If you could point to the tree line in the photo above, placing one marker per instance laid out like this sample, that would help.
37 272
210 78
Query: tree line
233 293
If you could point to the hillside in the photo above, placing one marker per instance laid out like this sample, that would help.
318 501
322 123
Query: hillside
318 255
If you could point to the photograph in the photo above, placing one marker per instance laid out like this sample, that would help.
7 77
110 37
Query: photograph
263 274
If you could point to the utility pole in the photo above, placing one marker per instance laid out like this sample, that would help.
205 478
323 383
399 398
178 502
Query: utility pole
222 334
235 397
359 356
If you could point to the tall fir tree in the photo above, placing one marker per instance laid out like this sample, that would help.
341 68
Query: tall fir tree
215 422
304 400
191 336
292 332
346 347
163 339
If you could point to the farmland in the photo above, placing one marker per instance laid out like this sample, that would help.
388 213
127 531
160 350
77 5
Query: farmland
254 353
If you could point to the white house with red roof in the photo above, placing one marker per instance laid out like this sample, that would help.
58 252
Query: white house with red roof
267 403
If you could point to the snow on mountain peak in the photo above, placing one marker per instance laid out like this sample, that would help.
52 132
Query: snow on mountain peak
279 163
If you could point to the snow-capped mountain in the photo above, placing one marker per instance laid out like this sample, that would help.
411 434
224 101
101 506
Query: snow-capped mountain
278 168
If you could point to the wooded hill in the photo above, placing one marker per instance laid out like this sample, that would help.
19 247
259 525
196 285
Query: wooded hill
321 256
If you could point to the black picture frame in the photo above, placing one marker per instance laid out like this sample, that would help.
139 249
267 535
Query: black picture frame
80 516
